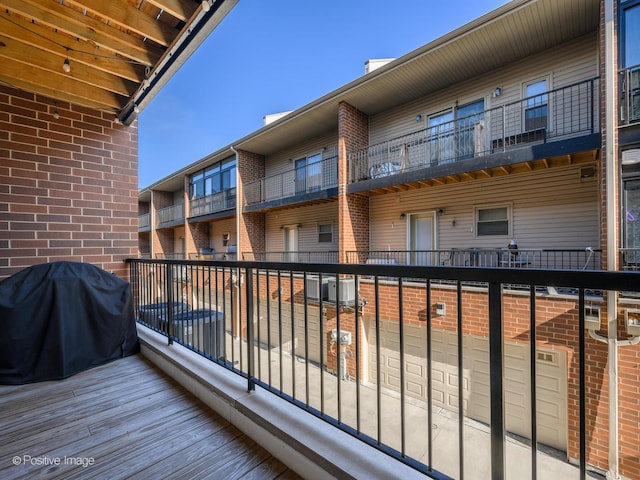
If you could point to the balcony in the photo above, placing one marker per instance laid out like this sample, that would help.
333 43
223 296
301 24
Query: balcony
557 115
217 202
630 95
548 259
170 216
337 358
302 256
126 419
144 222
311 182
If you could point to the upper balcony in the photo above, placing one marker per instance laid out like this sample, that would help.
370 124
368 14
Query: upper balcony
144 222
555 123
213 204
630 95
313 181
170 216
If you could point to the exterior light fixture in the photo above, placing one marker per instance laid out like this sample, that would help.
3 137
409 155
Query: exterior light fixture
56 115
418 118
136 109
205 6
66 66
497 92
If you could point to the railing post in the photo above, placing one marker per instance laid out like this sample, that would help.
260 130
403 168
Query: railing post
496 388
251 386
169 286
593 120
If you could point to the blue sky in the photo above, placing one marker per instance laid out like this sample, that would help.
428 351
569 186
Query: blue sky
278 55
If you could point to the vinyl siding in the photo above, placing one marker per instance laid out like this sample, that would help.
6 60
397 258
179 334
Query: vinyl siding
549 209
217 228
567 64
279 163
308 217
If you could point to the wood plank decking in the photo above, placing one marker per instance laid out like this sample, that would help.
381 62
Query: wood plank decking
125 419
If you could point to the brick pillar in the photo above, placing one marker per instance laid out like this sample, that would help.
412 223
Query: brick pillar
353 209
251 225
161 242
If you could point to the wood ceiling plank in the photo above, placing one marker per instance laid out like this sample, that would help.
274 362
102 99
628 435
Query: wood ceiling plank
44 39
92 31
42 80
130 18
180 9
29 55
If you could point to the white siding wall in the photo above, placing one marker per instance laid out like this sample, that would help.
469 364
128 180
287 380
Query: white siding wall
567 64
308 217
279 162
550 209
217 228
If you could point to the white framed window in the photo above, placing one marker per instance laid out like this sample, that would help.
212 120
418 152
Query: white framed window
536 104
325 233
493 220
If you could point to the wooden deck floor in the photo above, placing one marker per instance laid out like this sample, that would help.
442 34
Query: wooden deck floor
125 419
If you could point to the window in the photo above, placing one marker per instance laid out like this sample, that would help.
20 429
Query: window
325 233
214 179
492 221
536 105
630 34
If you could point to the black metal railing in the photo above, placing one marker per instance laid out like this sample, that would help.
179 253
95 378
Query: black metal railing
213 203
630 95
300 331
568 112
629 259
549 259
312 177
302 256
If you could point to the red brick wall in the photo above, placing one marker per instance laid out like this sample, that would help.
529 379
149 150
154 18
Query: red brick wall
353 209
68 186
162 241
251 226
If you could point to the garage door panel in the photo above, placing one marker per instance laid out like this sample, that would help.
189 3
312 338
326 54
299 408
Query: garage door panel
551 379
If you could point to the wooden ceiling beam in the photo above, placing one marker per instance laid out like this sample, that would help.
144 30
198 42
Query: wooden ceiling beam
130 18
58 82
77 26
180 9
45 41
53 64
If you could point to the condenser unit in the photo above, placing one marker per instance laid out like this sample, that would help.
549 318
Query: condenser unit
315 290
347 291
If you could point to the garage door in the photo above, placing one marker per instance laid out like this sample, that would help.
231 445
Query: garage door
551 373
281 325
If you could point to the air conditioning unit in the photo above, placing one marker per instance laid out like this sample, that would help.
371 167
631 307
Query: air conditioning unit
315 291
632 317
347 291
592 318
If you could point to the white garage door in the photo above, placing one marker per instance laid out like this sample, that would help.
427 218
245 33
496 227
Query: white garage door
551 378
281 326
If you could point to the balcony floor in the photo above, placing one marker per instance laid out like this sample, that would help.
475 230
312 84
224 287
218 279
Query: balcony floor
131 421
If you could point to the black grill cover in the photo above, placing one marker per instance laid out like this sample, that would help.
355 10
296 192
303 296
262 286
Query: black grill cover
57 319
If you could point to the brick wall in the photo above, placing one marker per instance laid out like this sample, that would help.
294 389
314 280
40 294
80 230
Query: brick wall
251 226
68 186
353 209
162 240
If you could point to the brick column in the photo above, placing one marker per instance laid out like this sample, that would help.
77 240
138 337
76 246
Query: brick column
353 209
251 226
161 242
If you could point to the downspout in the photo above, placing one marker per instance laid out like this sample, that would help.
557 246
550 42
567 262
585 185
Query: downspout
612 232
238 249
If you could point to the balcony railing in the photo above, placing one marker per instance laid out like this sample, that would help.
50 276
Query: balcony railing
144 221
630 95
307 256
313 177
167 215
217 202
563 113
630 259
338 355
549 259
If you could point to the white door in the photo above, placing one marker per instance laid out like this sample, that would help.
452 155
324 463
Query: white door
290 244
421 239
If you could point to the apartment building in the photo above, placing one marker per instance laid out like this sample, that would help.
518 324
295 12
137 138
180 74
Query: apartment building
513 141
